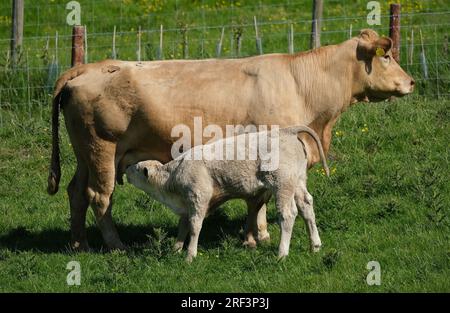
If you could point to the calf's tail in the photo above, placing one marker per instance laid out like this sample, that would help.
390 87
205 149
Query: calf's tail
305 129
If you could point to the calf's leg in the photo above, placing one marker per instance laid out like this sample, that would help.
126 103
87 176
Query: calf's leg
287 212
304 201
251 230
195 224
263 234
183 229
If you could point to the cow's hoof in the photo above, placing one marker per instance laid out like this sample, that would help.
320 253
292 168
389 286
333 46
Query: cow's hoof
80 246
119 246
250 244
281 257
189 259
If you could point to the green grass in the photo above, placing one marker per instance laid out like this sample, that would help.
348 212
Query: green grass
387 200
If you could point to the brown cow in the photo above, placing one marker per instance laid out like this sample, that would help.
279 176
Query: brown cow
119 113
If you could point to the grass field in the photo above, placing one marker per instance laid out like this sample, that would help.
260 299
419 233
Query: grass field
387 200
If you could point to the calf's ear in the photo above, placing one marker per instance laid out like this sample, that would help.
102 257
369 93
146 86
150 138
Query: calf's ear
146 172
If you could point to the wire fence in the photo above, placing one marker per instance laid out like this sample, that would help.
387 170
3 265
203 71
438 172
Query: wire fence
148 30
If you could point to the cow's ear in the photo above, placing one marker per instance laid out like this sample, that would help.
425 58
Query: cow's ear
378 47
146 172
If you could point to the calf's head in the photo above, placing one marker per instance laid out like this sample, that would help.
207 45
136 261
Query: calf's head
379 76
144 175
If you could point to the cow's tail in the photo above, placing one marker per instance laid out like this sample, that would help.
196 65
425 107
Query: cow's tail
54 175
313 134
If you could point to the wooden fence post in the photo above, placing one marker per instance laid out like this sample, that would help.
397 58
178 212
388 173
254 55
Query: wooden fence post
17 29
394 30
316 23
77 45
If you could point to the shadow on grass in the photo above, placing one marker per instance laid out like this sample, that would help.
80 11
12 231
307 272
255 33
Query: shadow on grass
57 240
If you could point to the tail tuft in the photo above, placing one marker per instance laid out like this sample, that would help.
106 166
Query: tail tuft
53 183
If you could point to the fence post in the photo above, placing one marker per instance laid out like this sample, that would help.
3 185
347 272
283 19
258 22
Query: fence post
85 46
423 58
445 47
394 30
160 49
316 23
257 37
219 44
114 54
138 52
17 29
291 39
411 49
77 45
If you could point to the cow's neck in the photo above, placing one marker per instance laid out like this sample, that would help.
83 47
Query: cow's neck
325 76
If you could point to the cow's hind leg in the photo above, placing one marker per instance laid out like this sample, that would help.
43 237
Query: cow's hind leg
100 188
78 207
304 202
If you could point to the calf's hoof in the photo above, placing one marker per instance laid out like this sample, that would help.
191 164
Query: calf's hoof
178 247
263 236
189 258
315 248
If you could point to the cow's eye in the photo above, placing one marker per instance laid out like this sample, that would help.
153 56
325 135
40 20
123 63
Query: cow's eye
386 59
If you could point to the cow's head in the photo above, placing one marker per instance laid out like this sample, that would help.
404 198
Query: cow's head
379 73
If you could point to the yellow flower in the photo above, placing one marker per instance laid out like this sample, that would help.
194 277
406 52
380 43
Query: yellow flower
339 133
365 129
